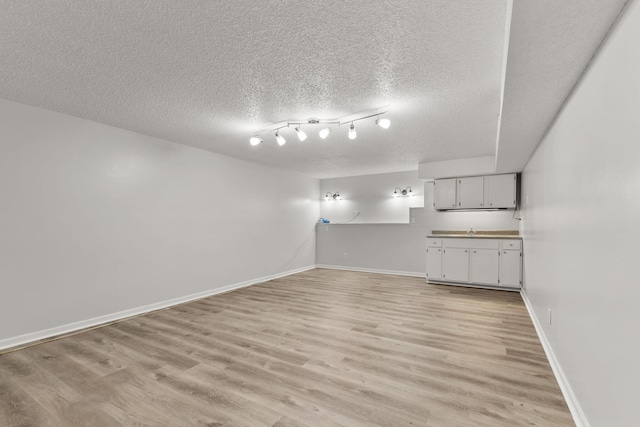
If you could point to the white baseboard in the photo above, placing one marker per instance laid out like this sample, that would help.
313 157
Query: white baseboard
21 340
373 270
578 414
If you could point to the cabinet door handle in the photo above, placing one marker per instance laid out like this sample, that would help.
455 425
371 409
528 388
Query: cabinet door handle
465 251
474 252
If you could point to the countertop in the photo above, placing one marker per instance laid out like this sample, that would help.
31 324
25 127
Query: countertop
473 236
481 234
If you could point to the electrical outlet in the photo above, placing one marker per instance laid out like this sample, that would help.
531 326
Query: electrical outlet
549 316
346 255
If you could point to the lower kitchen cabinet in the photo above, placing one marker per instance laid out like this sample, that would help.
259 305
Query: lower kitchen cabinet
475 261
434 263
484 266
455 265
511 268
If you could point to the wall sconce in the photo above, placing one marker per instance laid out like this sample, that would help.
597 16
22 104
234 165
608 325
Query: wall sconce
402 193
332 196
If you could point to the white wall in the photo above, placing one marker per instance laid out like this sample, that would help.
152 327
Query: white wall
389 248
95 220
581 227
390 236
380 238
372 195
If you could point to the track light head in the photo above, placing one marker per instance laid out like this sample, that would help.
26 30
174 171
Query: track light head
352 132
383 123
324 133
280 139
301 134
255 140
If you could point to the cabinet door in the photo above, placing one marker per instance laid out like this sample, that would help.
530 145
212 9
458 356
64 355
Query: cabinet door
470 192
510 268
434 264
484 266
455 265
500 191
444 193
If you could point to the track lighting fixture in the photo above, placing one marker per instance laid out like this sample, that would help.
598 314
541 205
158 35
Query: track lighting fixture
383 123
301 135
325 131
332 196
401 193
352 132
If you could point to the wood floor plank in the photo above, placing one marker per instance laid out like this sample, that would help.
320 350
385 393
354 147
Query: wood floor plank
319 348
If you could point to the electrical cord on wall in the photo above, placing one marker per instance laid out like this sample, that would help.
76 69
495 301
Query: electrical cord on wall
516 210
296 253
355 215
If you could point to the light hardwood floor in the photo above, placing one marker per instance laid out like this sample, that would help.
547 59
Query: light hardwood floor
320 348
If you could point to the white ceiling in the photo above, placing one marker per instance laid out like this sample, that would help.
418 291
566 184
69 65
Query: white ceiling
211 73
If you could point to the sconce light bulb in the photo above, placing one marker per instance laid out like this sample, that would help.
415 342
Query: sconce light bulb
255 140
280 139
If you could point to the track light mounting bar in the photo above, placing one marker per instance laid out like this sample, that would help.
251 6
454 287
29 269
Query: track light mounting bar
384 123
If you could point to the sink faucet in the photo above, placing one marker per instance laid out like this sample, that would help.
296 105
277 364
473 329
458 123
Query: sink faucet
471 232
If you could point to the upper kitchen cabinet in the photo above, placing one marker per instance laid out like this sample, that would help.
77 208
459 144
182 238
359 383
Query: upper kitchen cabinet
470 192
500 191
444 193
476 192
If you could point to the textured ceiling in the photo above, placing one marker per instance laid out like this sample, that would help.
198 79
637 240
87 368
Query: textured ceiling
551 44
211 73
